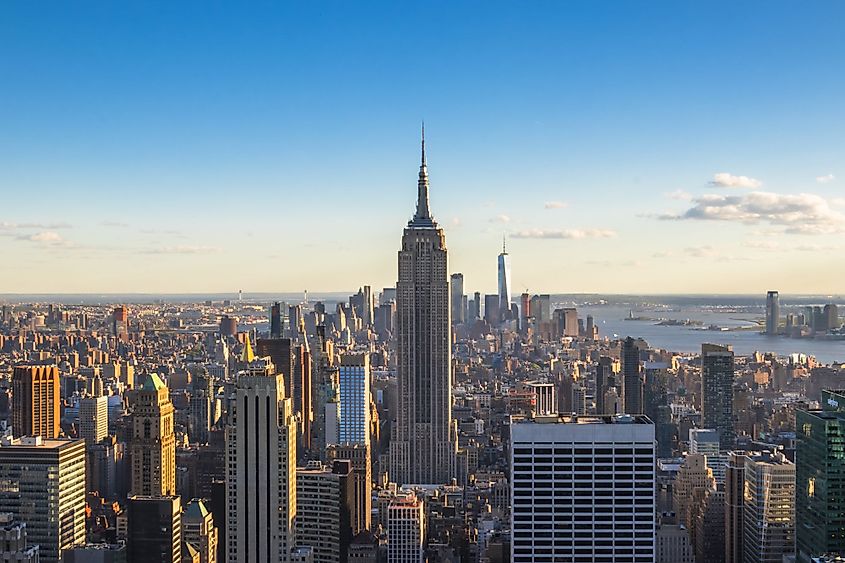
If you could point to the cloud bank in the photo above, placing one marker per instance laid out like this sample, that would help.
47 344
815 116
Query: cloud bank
795 213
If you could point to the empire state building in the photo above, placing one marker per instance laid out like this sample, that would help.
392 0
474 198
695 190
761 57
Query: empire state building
424 444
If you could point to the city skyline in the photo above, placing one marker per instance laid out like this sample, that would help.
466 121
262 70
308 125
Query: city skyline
630 157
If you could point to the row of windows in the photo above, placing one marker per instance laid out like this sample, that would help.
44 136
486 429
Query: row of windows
520 450
644 520
587 543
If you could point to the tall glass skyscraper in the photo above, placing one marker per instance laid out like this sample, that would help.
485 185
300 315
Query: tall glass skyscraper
820 478
772 312
423 447
354 383
504 283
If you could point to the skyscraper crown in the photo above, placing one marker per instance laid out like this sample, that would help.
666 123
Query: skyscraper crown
422 217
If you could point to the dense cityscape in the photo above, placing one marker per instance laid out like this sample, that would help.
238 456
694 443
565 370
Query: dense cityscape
418 422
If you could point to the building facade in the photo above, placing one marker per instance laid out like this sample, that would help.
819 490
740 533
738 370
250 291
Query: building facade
717 380
198 529
354 382
154 533
153 446
820 478
769 508
261 468
324 504
583 489
93 419
405 530
35 401
632 379
44 486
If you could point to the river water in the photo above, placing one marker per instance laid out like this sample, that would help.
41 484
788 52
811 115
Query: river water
611 322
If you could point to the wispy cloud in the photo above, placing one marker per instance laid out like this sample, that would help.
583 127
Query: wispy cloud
826 179
43 237
555 205
119 224
500 219
564 233
11 226
768 245
181 249
728 180
701 251
680 195
795 213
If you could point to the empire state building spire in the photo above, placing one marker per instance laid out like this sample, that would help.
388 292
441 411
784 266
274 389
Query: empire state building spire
423 215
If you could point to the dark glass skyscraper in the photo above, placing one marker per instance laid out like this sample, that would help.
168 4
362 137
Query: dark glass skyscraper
717 379
423 448
632 379
820 478
276 320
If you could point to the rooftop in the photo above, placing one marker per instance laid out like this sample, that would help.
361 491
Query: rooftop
582 419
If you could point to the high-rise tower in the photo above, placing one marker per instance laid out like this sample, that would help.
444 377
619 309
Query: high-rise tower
772 312
261 468
504 282
423 447
35 401
717 378
153 441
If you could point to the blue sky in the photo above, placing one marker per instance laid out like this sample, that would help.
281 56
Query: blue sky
622 146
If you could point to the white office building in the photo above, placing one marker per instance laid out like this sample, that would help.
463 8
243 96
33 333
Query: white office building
93 419
583 489
405 530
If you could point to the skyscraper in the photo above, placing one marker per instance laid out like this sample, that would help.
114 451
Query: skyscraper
276 320
504 282
261 468
717 378
198 529
354 382
405 530
583 489
734 503
820 478
362 481
44 486
456 298
769 508
324 505
35 401
154 533
423 447
604 381
153 448
772 312
93 419
202 400
632 379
